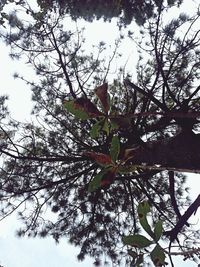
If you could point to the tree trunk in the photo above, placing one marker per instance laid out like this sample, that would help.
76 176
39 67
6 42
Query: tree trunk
179 152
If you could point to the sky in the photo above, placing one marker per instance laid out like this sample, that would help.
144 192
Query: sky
24 252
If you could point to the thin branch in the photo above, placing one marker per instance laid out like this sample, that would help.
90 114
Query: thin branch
55 183
110 61
132 205
66 159
147 94
185 253
159 59
194 93
63 65
172 193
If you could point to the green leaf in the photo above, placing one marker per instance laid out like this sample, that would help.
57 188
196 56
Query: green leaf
114 125
143 209
138 241
115 148
94 132
78 112
96 182
103 179
158 230
127 168
122 122
106 127
158 256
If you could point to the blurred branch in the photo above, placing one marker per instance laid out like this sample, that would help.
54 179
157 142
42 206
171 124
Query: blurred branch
184 218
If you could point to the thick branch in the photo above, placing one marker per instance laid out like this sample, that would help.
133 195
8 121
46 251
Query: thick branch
179 152
184 218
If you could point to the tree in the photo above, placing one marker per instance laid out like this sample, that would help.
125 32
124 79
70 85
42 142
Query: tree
125 11
92 161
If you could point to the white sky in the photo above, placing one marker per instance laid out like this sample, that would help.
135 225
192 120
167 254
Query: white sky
25 252
37 252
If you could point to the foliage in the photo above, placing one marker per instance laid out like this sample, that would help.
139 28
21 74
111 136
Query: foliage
139 241
97 148
125 10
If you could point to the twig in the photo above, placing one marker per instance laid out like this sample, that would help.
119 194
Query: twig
172 193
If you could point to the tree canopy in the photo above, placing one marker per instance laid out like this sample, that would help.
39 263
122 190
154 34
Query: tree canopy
125 10
105 151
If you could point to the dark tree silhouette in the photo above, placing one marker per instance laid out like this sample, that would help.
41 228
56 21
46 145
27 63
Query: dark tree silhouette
50 163
125 10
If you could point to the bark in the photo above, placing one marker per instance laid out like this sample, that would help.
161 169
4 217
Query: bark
179 152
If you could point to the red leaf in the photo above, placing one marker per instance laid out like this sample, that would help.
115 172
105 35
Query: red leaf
100 158
108 178
87 106
102 93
